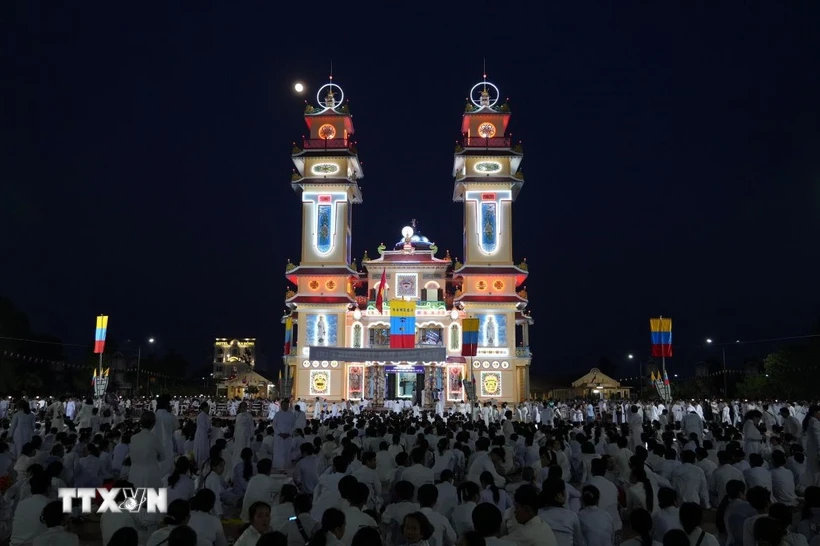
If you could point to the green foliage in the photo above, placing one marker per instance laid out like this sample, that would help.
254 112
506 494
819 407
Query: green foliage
790 373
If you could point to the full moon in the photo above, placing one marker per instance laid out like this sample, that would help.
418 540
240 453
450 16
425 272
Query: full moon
299 87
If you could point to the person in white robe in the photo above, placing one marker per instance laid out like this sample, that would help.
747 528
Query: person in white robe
283 425
22 427
811 435
167 424
146 453
202 437
752 438
242 432
56 413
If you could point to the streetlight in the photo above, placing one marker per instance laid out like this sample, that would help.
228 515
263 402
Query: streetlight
139 362
725 379
630 356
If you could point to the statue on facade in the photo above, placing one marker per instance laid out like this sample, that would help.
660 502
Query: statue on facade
491 331
321 331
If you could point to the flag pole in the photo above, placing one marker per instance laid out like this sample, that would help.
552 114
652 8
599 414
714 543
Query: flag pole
663 353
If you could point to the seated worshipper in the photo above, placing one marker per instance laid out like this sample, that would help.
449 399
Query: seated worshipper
111 522
418 474
783 514
487 523
447 494
757 475
608 493
641 522
809 524
120 453
242 472
783 482
179 513
691 516
26 458
355 518
326 494
125 536
531 529
259 514
332 529
732 513
690 481
368 475
301 526
760 499
185 536
641 493
306 471
385 464
55 534
564 523
395 513
283 510
89 471
208 528
597 526
666 517
572 497
722 475
492 494
443 532
179 482
261 488
417 530
216 483
26 524
484 461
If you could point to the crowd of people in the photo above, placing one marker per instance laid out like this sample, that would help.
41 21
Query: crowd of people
322 474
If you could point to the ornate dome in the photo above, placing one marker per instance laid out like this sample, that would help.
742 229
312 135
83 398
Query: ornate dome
417 240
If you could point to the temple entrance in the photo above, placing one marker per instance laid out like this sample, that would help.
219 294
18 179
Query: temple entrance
404 383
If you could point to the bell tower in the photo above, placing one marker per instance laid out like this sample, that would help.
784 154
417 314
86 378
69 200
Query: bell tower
327 171
487 180
487 177
326 175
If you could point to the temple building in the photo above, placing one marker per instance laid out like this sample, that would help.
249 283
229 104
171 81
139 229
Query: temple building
339 325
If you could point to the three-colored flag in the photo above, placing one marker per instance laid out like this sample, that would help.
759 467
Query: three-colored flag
380 292
661 331
402 324
469 336
99 334
288 335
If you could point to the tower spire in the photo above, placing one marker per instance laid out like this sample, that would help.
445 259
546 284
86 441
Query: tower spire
484 72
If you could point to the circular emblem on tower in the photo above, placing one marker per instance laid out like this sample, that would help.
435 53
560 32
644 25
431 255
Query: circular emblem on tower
484 94
330 95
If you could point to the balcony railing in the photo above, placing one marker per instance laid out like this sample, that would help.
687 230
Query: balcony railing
523 352
478 142
326 144
427 305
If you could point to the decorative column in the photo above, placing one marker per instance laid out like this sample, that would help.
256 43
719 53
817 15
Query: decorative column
526 382
379 396
525 334
428 386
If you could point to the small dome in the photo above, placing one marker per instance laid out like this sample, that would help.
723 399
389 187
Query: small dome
417 240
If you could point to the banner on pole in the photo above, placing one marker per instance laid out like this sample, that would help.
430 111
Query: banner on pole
661 333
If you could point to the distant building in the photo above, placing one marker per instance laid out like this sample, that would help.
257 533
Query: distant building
701 369
594 384
233 357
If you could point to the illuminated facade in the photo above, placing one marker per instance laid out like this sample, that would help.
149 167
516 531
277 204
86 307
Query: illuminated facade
233 357
333 305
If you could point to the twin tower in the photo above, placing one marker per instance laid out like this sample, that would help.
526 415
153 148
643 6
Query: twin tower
326 282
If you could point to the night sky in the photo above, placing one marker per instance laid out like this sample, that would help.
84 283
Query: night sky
671 161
